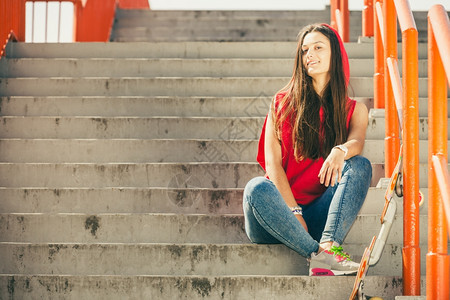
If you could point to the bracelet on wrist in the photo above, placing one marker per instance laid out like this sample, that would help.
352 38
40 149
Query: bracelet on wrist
342 148
296 210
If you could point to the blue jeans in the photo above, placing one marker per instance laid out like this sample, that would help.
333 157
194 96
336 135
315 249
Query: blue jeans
268 219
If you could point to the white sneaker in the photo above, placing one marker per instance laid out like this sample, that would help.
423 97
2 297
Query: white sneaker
332 262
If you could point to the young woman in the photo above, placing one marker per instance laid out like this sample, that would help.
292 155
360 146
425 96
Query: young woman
315 182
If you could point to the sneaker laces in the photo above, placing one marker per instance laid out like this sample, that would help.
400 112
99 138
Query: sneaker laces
338 251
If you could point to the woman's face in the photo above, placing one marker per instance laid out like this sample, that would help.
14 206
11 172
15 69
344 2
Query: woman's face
316 54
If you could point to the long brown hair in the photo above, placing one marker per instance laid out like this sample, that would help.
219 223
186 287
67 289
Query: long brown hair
301 104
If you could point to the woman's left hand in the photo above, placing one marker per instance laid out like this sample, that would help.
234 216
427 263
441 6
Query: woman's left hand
332 167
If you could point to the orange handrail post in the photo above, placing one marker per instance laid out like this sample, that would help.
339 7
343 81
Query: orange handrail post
410 135
334 4
438 261
392 140
339 18
440 169
345 15
378 76
367 18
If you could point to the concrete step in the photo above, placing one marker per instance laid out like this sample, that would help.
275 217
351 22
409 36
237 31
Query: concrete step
231 23
377 124
227 129
176 259
219 14
194 287
132 106
215 31
168 86
179 50
132 128
127 151
29 67
374 151
237 36
239 14
231 107
243 21
159 86
142 151
149 200
122 200
172 175
161 228
147 67
209 33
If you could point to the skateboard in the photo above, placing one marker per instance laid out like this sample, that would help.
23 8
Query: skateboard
390 204
357 292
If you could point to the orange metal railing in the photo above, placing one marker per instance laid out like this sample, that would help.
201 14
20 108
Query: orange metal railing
385 46
339 18
378 76
387 89
438 261
410 136
93 19
443 179
367 18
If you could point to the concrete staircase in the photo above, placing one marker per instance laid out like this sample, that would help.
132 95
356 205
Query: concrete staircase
139 26
122 167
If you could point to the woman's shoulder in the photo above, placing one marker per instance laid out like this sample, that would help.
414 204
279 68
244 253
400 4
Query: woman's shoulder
280 95
360 107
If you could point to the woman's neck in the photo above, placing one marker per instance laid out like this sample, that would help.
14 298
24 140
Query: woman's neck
319 83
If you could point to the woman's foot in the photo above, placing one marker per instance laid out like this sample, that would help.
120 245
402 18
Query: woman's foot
332 262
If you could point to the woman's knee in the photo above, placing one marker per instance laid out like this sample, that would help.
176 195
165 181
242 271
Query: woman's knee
258 188
361 167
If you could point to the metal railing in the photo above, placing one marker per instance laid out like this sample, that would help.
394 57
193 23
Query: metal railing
410 136
438 261
367 18
401 111
385 46
340 18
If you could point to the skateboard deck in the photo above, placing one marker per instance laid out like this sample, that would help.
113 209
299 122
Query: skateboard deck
362 271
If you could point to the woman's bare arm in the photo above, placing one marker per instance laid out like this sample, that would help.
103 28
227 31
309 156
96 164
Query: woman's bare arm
274 167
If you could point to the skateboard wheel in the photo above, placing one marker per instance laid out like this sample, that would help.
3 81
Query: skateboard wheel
376 298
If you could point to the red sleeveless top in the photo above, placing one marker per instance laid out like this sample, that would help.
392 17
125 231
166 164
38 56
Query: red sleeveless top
302 175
